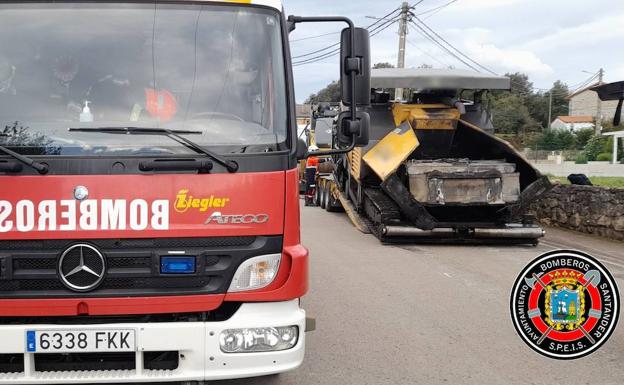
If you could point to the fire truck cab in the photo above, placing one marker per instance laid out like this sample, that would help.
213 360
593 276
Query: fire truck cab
149 207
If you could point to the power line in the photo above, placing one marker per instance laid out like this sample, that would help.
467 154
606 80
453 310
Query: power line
375 31
337 44
427 53
460 52
453 47
314 37
417 3
437 9
436 42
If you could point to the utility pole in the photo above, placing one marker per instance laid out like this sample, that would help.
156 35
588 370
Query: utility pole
599 105
402 37
549 108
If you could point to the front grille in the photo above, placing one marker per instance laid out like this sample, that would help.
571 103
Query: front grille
30 269
71 362
132 243
11 363
132 262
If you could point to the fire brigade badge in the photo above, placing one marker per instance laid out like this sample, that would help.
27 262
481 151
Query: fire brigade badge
565 304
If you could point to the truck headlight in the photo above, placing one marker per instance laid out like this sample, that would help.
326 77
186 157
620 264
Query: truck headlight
255 273
254 340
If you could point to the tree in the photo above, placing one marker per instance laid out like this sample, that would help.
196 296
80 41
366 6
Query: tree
595 145
520 84
30 143
383 65
559 92
582 137
331 93
511 116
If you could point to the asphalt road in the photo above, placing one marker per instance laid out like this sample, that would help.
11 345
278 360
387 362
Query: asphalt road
430 314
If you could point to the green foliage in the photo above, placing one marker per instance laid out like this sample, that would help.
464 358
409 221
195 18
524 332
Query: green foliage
595 145
608 181
600 181
383 65
511 116
581 159
331 93
604 157
582 137
552 140
607 126
532 105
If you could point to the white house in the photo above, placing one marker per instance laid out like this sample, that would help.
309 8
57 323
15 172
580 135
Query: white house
573 123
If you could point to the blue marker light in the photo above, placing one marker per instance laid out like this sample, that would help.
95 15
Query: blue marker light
177 265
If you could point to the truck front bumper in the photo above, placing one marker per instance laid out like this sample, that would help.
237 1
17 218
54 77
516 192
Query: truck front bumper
200 355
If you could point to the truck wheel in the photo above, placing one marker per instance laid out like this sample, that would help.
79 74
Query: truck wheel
333 205
317 195
323 195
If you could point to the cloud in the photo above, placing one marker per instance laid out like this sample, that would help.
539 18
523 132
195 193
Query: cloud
481 4
584 35
479 44
509 59
548 40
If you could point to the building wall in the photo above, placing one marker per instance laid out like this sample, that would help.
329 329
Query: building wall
558 124
586 103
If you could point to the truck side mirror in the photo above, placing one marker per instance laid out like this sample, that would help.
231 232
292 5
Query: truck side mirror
302 149
352 129
355 69
349 131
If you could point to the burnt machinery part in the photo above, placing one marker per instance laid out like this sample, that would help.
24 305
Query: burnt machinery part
447 232
530 194
446 235
407 231
414 211
379 208
533 232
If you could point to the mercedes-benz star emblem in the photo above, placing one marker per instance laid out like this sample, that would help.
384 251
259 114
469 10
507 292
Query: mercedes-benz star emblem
82 267
81 193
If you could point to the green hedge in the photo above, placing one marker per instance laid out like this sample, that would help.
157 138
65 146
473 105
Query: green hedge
604 157
581 159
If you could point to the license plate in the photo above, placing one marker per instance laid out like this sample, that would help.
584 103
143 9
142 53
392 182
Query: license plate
87 341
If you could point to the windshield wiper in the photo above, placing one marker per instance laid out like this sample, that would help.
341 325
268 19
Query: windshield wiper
40 167
176 135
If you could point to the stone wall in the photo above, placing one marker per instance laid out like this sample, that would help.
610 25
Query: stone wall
589 209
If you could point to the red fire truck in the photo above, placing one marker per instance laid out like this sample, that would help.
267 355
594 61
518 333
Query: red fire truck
149 208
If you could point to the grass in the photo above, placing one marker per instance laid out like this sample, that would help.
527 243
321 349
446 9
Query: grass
601 181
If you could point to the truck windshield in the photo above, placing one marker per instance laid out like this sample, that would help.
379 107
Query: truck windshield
218 69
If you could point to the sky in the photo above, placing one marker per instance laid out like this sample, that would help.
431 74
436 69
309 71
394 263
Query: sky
549 40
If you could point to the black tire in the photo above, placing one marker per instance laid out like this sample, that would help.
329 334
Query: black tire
333 205
317 195
323 195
